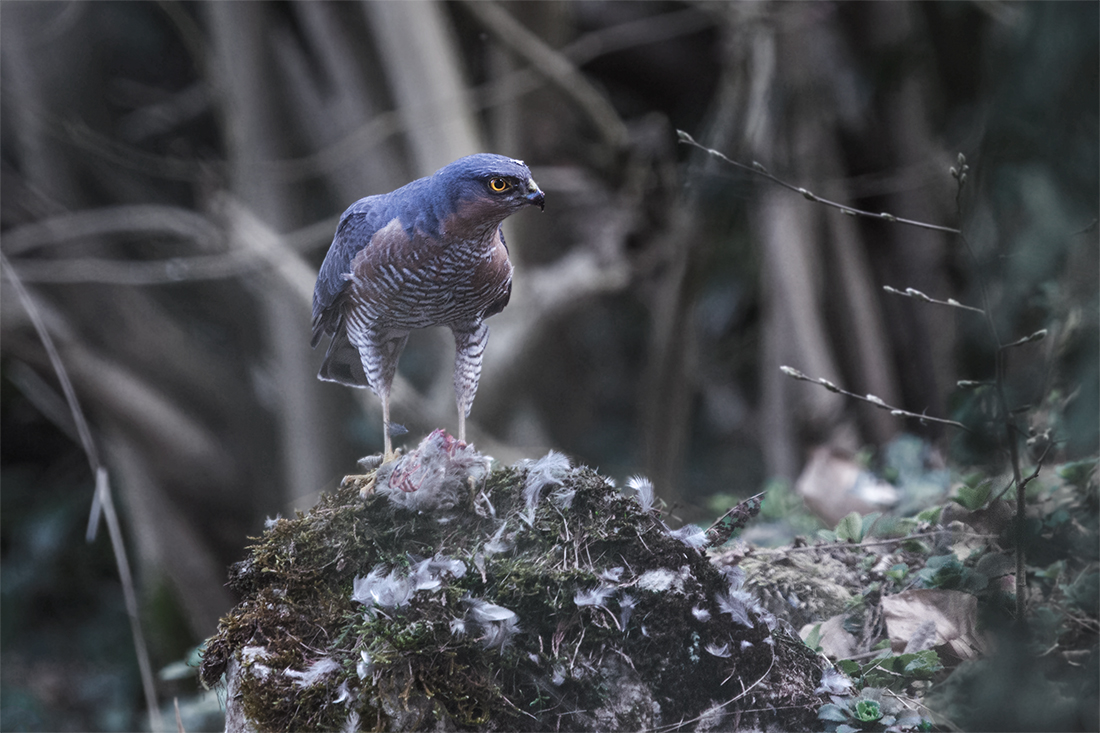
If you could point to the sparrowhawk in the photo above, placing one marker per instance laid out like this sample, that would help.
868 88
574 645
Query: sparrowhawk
430 253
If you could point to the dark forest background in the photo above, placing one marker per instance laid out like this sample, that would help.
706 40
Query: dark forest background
172 174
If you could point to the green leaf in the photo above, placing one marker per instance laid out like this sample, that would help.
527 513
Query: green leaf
867 523
932 514
974 497
850 529
922 664
813 639
849 667
897 572
867 711
1085 591
1077 472
833 712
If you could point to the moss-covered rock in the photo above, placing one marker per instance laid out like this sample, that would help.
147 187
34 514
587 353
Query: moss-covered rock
534 597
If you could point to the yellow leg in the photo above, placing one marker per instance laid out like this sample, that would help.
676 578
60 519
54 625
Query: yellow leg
388 455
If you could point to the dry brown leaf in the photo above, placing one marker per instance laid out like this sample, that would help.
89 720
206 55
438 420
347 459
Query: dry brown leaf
833 485
835 641
953 612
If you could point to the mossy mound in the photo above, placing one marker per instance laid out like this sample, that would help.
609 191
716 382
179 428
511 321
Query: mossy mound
540 598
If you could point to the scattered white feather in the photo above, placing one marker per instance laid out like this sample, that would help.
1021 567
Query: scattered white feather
361 586
593 596
498 634
528 516
735 604
351 725
390 591
746 645
562 497
394 589
768 618
834 682
718 651
691 535
458 626
735 576
626 608
499 543
700 614
365 666
317 671
558 678
484 612
343 693
611 575
662 580
550 470
644 493
428 574
272 521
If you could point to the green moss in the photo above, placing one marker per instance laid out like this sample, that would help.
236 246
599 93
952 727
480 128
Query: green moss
567 666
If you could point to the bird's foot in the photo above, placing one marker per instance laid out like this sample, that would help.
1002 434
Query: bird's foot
370 465
363 482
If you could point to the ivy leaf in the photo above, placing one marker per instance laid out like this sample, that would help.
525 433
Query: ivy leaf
974 497
850 529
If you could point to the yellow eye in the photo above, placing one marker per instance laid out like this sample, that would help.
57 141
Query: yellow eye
499 185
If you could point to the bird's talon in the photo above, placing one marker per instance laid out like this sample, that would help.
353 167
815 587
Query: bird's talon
367 488
364 482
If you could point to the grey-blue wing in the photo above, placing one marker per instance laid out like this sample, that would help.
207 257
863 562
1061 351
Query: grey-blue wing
357 225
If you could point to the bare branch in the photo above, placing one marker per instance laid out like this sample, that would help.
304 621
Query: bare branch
556 67
760 170
918 295
143 219
870 399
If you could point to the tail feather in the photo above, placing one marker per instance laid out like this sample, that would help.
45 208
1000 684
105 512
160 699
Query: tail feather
342 363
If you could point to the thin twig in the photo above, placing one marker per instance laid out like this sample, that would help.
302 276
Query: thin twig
29 306
871 399
914 293
760 170
102 501
888 541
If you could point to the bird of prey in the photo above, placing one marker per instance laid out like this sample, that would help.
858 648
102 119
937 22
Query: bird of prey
430 253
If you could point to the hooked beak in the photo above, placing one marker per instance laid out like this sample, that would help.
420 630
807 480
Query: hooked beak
535 196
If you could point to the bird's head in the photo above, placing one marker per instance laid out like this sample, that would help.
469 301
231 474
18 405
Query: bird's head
488 187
